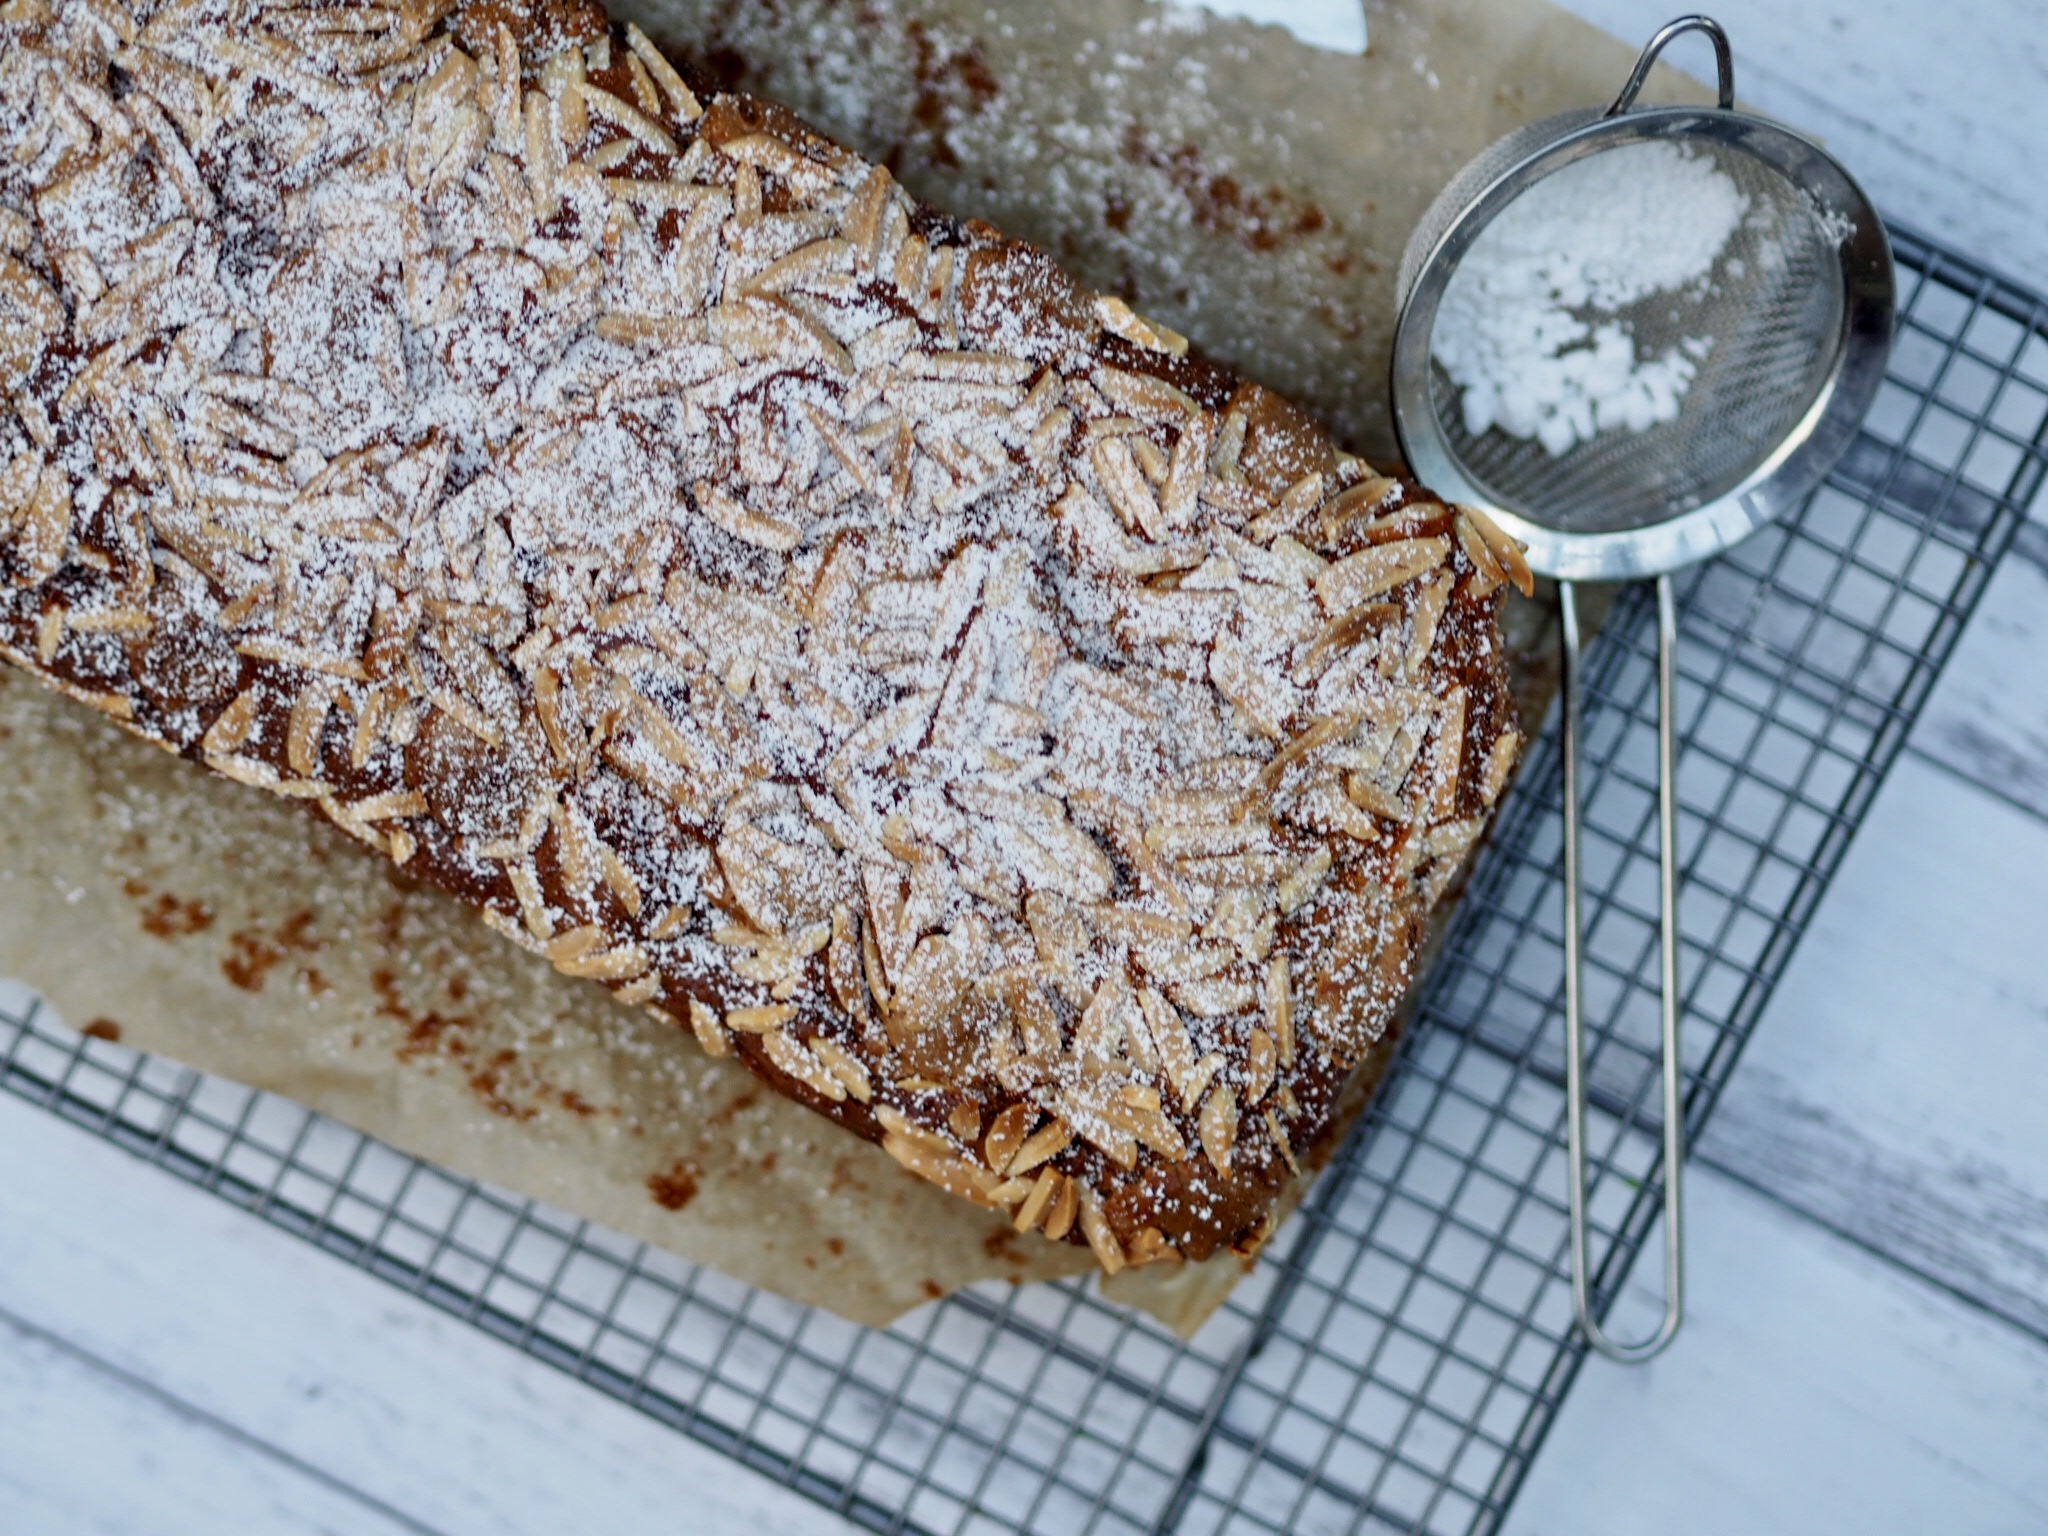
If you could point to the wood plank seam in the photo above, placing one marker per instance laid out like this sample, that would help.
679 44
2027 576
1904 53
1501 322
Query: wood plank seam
226 1428
1864 1245
1963 775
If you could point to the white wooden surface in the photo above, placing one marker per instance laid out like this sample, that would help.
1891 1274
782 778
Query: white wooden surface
1868 1344
1818 1389
1990 721
1895 1090
1936 106
170 1365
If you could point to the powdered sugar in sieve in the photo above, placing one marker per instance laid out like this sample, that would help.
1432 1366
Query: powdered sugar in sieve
1535 327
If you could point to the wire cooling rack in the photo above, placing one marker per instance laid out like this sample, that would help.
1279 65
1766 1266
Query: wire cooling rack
1395 1359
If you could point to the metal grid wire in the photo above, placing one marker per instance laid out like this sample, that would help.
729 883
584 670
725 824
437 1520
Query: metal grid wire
1395 1359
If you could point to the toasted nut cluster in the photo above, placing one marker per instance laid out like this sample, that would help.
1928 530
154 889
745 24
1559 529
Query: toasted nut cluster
814 618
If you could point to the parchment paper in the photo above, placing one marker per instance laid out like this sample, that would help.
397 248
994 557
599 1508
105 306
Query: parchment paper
1251 192
212 924
233 931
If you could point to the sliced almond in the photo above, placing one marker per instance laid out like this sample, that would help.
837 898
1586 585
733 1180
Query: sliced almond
622 964
1219 1128
1126 488
843 968
1120 319
1007 1134
575 943
1184 471
1500 762
1099 1034
1147 1125
1170 1037
1261 1059
1109 1252
1319 733
1202 1076
391 803
681 99
759 1019
1278 1132
1507 553
1364 499
949 1171
1380 568
1039 1201
1059 1220
706 1024
847 1068
672 921
742 522
1449 756
1044 1144
791 1057
1280 1009
1300 884
44 536
533 908
1487 569
1149 1246
964 1121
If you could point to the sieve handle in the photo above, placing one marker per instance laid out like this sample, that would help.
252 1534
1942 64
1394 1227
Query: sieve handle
1724 60
1574 985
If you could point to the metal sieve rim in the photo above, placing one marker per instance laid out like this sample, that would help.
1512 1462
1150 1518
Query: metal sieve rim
1784 472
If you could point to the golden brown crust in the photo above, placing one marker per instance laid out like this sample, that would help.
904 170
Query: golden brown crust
815 618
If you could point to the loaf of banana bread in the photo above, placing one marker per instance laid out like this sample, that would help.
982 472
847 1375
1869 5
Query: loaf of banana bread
819 620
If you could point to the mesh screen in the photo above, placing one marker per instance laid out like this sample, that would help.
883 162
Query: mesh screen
1395 1359
1774 312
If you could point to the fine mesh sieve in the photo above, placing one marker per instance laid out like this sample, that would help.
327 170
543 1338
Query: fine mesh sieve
1798 310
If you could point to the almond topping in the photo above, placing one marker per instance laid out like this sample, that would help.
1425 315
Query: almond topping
1260 1060
799 1063
1108 1252
1007 1134
1380 568
1219 1128
710 1032
1506 552
1279 1134
844 1066
1280 1009
1059 1220
1041 1146
760 1019
1039 1201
